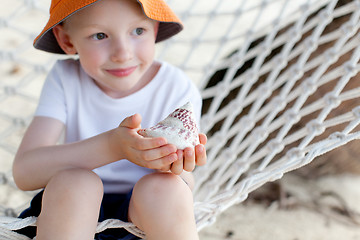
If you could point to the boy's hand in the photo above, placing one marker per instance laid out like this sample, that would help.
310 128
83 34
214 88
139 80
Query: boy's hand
189 157
153 153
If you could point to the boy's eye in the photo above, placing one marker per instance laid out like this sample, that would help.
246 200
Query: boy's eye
99 36
138 31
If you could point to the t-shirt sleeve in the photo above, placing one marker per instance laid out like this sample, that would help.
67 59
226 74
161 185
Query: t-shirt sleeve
52 99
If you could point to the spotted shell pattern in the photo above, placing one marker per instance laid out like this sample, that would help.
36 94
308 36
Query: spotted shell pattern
179 128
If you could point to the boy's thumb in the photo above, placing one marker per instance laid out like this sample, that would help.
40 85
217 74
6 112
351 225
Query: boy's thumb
133 121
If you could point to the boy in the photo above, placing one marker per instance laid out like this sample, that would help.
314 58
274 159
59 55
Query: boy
106 170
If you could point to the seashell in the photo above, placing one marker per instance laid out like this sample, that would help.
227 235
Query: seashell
179 128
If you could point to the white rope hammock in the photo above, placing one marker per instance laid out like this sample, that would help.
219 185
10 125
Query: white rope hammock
278 79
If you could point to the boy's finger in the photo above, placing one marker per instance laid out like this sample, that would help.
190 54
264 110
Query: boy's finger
133 121
146 143
202 138
180 154
157 153
189 159
162 163
177 166
165 168
200 153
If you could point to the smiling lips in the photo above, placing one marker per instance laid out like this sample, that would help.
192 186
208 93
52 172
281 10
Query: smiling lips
122 72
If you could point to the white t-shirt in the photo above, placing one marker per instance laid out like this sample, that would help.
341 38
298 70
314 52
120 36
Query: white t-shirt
72 97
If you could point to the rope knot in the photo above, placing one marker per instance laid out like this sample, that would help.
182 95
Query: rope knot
305 7
350 68
264 90
281 61
40 69
7 56
348 28
314 126
309 86
326 15
356 112
10 212
3 178
337 136
220 137
331 55
259 134
292 116
3 23
252 75
247 123
278 102
236 105
228 154
223 87
275 145
10 90
19 122
310 43
331 99
297 71
295 153
265 48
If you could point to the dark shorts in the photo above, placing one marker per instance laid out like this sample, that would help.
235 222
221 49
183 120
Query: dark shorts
113 206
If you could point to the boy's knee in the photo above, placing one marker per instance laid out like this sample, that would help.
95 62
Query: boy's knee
163 186
72 192
160 198
160 181
77 179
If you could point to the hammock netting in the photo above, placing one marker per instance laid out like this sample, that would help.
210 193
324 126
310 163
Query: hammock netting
279 79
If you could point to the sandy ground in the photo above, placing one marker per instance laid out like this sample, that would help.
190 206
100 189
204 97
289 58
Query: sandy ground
326 208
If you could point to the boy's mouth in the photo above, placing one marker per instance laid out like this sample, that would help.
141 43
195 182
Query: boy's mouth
121 72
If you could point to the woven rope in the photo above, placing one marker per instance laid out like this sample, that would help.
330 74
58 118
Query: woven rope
278 79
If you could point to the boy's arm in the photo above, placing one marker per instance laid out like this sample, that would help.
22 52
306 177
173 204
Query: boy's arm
39 158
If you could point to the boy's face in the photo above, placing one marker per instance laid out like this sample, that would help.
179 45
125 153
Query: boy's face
115 42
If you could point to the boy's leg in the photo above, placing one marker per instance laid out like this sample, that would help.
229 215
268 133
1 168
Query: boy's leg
162 206
70 206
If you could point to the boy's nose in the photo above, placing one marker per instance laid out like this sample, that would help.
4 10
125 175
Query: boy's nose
121 51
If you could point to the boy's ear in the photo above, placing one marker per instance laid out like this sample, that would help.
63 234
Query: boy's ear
63 39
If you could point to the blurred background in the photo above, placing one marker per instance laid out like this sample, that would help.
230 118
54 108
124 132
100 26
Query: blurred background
319 198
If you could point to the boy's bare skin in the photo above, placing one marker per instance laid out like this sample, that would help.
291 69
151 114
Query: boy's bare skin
119 57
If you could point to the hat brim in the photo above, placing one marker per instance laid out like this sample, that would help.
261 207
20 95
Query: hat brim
157 10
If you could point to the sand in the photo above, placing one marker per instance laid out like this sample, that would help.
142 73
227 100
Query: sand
325 208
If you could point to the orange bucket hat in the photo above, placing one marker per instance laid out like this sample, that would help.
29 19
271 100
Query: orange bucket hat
157 10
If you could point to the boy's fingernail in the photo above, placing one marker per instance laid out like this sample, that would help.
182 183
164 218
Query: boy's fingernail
200 149
174 157
162 142
189 153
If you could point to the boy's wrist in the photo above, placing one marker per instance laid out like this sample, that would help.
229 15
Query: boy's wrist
115 151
